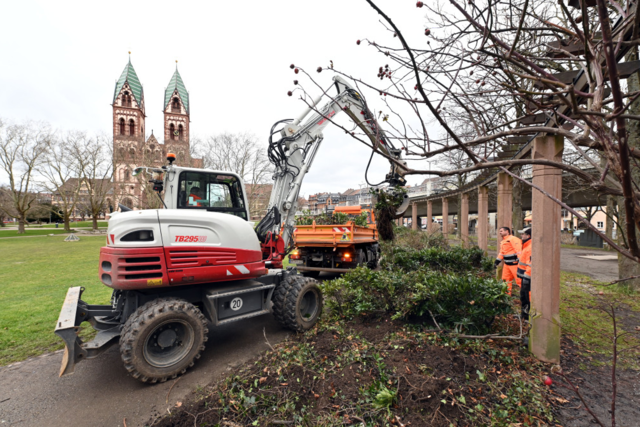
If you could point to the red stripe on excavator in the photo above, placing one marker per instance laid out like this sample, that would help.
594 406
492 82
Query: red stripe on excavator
206 256
145 268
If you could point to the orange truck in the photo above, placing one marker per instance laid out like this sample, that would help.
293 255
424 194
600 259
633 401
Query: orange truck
336 248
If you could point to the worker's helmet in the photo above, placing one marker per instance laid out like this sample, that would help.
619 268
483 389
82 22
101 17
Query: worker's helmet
525 231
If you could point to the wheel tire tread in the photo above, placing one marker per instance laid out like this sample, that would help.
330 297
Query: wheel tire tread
285 298
140 317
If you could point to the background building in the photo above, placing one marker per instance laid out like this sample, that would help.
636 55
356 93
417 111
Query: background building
130 146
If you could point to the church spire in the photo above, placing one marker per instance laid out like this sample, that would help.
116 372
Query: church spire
129 77
176 85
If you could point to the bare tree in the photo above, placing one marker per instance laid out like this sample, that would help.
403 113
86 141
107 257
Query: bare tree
22 149
480 60
61 173
95 165
243 154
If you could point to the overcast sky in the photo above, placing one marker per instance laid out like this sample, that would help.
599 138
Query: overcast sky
62 58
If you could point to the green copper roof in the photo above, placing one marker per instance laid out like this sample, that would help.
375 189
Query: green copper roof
177 83
129 76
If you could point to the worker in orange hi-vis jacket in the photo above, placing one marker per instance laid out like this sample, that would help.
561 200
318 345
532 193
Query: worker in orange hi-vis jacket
524 272
510 247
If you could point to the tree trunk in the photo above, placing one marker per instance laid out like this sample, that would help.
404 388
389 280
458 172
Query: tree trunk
67 227
517 219
95 223
21 222
626 267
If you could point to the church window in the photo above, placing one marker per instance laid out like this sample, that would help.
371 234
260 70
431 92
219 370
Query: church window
126 100
132 127
175 107
126 174
180 132
172 131
121 126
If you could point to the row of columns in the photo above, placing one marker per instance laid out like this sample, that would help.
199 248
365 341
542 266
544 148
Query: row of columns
545 332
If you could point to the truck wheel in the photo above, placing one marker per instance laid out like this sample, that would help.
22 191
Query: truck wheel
162 339
297 303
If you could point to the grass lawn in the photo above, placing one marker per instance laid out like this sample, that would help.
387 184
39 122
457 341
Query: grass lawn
34 276
584 321
32 232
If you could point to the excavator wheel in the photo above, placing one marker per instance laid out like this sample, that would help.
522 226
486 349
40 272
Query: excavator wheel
162 339
297 303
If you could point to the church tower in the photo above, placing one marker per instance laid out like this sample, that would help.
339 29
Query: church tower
128 130
176 118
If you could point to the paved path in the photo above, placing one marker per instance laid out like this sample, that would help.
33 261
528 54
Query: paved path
571 261
101 393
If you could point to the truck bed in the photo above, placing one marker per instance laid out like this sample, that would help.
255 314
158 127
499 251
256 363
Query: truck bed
333 235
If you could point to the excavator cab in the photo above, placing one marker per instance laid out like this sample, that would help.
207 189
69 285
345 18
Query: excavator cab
212 191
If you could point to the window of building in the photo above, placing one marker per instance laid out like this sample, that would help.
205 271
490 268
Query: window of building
132 127
180 132
126 100
172 131
126 174
600 224
175 106
121 126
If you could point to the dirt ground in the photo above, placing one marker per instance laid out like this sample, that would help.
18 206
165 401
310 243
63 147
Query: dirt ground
595 386
420 388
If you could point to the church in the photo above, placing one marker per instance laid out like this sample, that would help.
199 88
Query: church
131 148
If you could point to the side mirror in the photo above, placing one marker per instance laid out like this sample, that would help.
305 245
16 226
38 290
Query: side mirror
137 171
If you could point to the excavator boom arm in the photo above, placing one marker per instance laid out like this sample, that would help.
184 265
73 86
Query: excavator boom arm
293 155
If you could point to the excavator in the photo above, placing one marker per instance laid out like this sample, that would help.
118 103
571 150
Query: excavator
200 262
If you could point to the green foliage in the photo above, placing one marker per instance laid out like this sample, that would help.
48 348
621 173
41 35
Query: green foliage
337 218
467 301
415 239
361 219
389 199
456 259
384 398
386 206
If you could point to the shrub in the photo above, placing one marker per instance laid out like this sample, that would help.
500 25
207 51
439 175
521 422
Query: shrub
416 239
339 218
456 259
467 301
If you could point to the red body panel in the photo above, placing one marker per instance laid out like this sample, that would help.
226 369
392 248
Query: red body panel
144 268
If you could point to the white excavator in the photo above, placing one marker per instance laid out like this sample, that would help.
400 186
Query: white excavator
199 260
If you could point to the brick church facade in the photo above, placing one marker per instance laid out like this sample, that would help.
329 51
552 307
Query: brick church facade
131 148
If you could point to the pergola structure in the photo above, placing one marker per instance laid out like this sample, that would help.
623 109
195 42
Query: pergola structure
546 218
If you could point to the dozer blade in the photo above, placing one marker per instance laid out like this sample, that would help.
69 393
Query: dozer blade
67 329
74 312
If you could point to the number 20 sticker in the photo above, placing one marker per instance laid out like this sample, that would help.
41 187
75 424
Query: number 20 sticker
236 304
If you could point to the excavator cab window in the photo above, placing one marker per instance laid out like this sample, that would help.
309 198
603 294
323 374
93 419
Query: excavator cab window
212 192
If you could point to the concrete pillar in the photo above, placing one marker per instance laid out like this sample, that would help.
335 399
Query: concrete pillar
414 216
445 217
544 340
483 218
429 216
463 223
505 202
